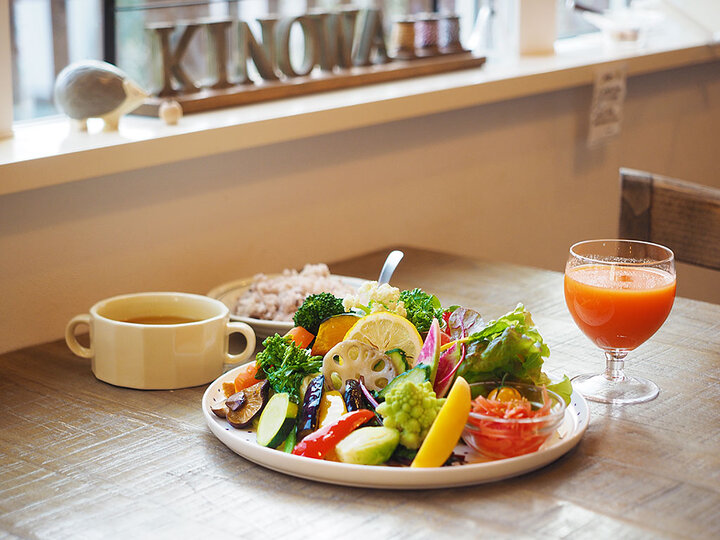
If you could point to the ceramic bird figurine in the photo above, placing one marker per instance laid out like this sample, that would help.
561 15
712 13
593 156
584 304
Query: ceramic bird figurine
93 89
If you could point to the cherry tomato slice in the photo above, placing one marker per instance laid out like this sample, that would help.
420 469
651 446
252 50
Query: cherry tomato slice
505 394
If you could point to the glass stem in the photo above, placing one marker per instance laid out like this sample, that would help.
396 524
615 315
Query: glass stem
615 365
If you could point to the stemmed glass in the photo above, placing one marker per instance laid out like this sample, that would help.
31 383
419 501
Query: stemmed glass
619 292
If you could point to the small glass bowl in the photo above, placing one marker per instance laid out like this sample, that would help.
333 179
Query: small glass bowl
501 438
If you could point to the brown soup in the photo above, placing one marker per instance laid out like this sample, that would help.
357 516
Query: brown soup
160 319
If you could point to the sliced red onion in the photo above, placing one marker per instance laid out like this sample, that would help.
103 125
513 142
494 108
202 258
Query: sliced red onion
368 395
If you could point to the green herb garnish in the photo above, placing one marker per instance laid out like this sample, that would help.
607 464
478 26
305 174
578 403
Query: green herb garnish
421 308
285 365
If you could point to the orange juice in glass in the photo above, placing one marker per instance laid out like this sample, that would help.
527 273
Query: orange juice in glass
619 292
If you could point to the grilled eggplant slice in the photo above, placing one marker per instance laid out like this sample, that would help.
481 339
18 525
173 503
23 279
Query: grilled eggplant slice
354 398
308 417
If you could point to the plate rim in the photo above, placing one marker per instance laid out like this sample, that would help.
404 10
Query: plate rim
401 478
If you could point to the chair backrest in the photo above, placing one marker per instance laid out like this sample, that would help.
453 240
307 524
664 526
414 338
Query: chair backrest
680 215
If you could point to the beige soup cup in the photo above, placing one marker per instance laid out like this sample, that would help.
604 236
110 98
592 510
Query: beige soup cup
159 340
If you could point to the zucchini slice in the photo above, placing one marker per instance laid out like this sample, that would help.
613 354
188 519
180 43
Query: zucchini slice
399 360
418 375
277 420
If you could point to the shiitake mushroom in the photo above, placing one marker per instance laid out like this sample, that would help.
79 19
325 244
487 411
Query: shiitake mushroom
236 401
255 398
219 408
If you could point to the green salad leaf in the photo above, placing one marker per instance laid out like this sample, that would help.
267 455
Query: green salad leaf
562 388
510 347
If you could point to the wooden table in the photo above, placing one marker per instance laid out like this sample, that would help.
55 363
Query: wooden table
83 459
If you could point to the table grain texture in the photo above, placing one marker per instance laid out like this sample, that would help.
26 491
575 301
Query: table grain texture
83 459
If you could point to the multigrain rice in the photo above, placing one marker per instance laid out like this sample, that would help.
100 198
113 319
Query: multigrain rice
277 298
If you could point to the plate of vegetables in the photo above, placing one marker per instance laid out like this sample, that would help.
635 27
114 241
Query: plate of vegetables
378 389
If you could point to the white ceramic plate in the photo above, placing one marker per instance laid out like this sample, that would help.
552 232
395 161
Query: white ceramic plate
475 471
229 293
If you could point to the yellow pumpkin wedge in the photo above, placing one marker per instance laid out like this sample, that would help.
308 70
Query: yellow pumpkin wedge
332 407
332 331
447 428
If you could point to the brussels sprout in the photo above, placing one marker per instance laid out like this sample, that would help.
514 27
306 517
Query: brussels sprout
368 445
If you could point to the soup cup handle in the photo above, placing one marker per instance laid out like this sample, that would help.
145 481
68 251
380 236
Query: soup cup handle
71 339
244 329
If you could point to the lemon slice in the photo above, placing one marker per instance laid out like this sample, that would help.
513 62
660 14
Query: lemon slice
385 331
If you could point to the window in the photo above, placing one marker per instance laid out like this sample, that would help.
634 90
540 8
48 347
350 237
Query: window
46 35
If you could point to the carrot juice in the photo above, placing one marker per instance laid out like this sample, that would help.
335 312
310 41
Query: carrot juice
618 307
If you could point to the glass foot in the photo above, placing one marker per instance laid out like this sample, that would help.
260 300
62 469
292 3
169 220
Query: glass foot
618 392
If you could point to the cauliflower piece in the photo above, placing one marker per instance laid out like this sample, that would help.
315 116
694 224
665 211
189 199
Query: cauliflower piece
372 297
410 408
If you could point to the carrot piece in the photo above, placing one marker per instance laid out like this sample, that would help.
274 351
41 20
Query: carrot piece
246 377
300 336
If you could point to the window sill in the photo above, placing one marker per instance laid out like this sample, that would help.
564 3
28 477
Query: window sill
46 153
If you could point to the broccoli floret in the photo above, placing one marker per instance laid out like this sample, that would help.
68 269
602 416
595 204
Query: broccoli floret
410 408
315 309
285 365
421 308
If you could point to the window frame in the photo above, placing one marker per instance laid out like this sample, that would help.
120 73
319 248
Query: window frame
6 78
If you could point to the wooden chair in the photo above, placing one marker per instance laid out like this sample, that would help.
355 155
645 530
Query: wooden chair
680 215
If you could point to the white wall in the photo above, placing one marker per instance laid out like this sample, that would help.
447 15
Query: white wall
512 181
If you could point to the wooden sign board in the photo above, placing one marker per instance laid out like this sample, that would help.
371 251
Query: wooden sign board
341 50
209 99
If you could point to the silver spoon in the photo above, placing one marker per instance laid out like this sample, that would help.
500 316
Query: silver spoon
393 258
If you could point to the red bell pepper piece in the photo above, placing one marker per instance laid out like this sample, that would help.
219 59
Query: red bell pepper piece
320 442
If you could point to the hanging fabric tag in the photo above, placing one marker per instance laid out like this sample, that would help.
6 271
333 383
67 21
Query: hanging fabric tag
606 111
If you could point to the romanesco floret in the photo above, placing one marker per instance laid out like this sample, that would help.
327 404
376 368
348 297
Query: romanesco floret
410 408
372 297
